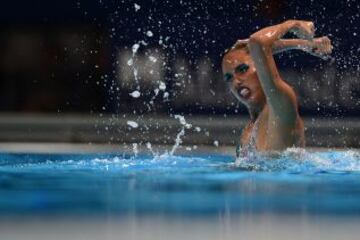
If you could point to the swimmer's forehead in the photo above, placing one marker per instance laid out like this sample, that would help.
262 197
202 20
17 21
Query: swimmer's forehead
234 59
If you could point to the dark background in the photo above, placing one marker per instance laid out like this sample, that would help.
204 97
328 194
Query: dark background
71 56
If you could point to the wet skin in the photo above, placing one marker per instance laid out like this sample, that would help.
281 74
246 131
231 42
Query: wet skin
253 78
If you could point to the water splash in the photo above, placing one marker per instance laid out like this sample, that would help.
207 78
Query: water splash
132 124
299 160
135 94
293 161
178 140
135 149
137 7
149 147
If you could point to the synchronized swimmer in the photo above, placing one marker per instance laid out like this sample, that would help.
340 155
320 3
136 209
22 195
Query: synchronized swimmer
250 70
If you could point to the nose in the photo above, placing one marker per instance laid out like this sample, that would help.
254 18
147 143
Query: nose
237 82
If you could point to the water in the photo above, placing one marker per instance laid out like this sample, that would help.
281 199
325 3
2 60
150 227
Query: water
295 182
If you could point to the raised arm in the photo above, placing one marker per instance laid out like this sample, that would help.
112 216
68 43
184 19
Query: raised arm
319 47
279 95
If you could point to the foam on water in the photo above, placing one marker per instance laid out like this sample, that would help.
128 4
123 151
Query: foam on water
300 160
290 161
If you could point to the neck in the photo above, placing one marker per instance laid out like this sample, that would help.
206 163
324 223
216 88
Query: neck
255 111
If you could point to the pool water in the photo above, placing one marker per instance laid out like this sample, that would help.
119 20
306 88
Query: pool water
294 182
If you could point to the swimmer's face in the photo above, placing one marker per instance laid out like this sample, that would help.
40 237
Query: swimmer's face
240 74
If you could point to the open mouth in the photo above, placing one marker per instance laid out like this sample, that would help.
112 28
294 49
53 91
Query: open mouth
244 92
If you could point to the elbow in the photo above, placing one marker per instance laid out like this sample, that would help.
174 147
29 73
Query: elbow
257 43
255 39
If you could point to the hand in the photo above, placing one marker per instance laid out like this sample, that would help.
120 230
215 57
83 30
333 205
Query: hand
321 47
303 29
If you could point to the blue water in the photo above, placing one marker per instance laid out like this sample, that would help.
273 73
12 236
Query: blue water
115 184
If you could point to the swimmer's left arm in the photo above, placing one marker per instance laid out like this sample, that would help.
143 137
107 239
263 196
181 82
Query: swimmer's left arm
320 47
284 45
280 96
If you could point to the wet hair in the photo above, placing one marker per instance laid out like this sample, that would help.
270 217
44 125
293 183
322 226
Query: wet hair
238 46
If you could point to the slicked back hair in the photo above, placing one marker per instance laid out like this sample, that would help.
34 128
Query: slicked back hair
238 46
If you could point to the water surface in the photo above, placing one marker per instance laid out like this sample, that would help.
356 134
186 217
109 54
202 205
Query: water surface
297 181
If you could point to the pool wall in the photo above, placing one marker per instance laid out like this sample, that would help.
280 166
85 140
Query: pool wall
161 130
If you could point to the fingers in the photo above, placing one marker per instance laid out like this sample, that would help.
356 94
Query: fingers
329 45
322 47
326 45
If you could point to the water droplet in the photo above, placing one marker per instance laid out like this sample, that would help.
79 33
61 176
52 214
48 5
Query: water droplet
135 48
153 59
130 62
162 86
137 7
132 124
135 94
149 33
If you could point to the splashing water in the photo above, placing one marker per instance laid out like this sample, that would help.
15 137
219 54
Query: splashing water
135 94
177 141
181 133
137 7
135 149
135 48
301 160
132 124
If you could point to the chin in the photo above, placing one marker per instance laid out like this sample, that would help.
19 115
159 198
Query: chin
254 101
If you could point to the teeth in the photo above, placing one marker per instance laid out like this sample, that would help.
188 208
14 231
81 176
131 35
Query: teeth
244 92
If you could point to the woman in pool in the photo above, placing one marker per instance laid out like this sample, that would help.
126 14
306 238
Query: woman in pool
253 77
